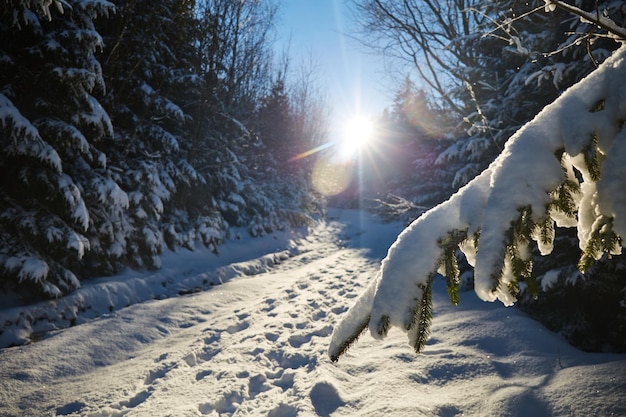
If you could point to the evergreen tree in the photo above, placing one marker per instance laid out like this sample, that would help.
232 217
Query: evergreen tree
276 124
148 65
52 125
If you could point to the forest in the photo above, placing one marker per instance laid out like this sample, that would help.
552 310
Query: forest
132 127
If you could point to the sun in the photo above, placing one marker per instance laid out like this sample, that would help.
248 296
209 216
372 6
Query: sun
358 131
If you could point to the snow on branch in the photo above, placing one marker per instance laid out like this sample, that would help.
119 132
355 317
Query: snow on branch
589 17
565 166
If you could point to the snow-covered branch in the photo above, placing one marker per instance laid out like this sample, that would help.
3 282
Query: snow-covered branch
595 18
564 167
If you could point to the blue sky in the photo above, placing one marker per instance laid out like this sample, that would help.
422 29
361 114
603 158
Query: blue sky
353 79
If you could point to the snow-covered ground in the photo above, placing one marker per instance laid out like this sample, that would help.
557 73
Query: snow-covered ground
256 344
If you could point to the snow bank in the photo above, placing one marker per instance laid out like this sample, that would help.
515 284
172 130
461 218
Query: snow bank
181 273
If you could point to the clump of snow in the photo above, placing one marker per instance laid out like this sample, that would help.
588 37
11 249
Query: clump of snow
26 140
109 191
33 269
74 200
550 279
77 242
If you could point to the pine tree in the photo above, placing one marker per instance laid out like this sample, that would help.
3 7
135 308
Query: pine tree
148 65
412 132
52 126
276 124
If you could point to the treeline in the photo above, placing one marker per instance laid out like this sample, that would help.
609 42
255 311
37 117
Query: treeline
478 71
132 126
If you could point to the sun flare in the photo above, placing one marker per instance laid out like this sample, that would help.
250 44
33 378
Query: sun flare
358 131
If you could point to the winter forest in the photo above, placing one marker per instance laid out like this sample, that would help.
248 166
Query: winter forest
133 131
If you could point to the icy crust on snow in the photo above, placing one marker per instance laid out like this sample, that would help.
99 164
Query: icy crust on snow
521 177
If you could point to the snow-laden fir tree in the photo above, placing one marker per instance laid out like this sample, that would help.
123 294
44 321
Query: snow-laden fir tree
564 168
149 65
51 127
491 65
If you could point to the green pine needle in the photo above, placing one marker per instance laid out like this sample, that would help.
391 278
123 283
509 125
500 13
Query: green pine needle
450 264
423 317
347 343
593 158
382 327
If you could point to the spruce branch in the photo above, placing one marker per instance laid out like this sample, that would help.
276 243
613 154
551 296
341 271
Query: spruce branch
422 319
351 340
448 261
593 158
602 240
382 327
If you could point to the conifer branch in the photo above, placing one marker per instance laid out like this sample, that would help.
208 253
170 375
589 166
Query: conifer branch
422 320
351 340
382 327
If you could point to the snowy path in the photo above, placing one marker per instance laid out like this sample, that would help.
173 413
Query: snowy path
256 346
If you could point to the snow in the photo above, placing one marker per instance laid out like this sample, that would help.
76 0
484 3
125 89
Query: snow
256 344
78 243
27 142
109 191
32 269
74 199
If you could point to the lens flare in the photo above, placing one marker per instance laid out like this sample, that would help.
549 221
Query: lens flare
331 177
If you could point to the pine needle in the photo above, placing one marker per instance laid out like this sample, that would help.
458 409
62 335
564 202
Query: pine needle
347 343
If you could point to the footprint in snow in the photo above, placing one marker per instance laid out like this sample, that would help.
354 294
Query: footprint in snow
237 327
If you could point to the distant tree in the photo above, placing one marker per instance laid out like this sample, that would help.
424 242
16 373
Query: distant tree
310 105
234 42
411 140
238 83
276 121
